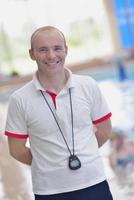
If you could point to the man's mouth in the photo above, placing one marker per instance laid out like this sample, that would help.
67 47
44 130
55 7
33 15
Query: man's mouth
52 63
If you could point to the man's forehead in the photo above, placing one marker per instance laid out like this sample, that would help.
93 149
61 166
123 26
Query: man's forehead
48 33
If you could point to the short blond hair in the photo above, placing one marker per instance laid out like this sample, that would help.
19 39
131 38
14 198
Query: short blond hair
46 28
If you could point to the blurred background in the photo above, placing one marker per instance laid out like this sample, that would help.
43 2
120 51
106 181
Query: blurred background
100 37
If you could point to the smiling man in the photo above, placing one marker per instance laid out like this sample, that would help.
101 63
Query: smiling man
48 48
57 111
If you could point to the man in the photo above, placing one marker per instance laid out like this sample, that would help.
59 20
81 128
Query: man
57 110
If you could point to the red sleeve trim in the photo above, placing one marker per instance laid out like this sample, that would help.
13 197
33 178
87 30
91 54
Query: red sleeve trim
14 135
102 119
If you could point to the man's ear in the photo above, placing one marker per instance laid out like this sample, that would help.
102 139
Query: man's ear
31 53
66 47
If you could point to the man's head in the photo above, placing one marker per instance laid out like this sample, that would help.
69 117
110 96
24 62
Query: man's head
48 48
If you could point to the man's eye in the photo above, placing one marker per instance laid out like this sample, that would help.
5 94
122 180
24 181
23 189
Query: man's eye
43 50
58 48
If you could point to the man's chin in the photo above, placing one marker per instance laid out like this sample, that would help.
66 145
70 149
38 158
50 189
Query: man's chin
55 67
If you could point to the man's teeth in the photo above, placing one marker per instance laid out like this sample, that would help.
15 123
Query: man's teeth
51 63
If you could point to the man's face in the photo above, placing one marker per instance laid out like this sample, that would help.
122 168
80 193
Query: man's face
49 51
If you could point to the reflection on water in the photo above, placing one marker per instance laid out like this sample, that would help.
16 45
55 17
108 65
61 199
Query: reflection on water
120 96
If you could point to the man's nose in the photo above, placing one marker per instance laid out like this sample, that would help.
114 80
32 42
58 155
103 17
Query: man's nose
51 53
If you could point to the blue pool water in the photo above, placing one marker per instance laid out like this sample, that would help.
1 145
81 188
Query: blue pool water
120 97
112 73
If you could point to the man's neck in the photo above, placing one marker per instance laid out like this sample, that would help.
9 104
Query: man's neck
53 83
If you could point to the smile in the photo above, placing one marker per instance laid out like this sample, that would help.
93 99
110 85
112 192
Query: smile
52 63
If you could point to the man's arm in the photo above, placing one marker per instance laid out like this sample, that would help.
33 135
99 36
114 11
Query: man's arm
19 151
103 131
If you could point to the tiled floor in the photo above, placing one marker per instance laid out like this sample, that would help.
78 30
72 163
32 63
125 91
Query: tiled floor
15 178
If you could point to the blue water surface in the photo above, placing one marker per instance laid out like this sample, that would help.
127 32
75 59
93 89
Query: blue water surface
119 92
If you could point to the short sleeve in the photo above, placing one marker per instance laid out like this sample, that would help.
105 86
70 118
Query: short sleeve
100 109
16 123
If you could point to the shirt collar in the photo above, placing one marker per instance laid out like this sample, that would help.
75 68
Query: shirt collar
36 82
69 84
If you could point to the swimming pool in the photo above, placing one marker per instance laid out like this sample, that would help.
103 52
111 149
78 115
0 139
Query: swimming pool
120 96
112 73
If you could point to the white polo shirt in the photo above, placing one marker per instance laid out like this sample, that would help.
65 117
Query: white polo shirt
29 116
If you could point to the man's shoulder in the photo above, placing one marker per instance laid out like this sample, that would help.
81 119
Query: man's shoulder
83 79
24 90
